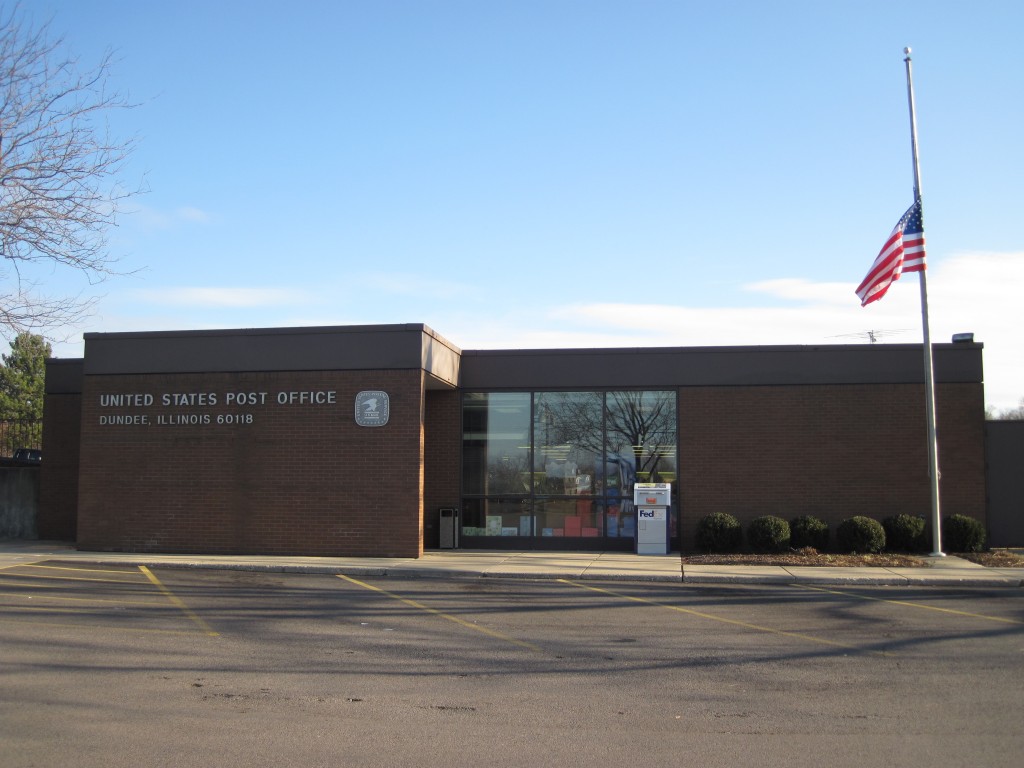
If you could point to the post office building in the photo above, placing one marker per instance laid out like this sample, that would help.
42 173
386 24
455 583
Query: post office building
385 440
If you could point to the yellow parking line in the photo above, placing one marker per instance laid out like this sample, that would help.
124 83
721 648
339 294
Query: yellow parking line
449 617
28 582
734 622
912 605
78 627
83 570
181 605
70 578
37 596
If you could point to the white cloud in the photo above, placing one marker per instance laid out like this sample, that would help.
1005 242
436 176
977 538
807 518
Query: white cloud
225 297
188 213
408 284
975 292
154 219
799 289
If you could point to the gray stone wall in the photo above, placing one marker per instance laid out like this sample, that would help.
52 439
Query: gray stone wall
19 500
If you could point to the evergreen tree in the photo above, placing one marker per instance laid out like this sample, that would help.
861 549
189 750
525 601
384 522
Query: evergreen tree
22 378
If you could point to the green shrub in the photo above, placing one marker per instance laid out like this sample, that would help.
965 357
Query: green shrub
768 534
808 531
904 533
719 532
962 534
861 535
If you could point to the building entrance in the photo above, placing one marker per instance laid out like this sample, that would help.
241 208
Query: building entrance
556 470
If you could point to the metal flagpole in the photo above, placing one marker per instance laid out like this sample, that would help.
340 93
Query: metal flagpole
929 373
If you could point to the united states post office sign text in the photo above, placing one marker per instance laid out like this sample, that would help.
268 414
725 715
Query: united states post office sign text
204 408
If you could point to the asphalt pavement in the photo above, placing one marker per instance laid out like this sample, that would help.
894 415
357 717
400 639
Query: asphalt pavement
946 571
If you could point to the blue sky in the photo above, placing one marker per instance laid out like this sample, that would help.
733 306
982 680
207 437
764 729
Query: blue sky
562 173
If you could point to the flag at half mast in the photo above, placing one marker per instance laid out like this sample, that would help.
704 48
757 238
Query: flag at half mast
902 252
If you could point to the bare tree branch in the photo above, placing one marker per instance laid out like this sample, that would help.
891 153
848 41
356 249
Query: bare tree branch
60 191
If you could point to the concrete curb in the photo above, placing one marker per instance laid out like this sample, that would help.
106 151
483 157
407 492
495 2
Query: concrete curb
925 579
947 572
855 580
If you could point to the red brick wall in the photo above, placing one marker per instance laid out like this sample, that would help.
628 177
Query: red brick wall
57 516
441 458
299 479
305 479
828 451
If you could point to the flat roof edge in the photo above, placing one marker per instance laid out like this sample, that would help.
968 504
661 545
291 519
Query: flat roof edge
715 349
299 348
719 366
296 330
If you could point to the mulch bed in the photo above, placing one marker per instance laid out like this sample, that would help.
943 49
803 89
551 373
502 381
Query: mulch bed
994 559
997 558
819 559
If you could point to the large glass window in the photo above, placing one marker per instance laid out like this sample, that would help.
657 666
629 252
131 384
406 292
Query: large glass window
641 437
496 443
558 468
497 517
567 441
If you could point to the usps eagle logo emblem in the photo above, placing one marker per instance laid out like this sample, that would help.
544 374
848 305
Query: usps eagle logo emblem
373 408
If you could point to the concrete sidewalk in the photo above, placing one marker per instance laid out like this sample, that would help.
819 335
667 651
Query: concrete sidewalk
943 571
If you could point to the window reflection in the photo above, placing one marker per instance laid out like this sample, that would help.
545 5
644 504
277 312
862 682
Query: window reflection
641 443
567 441
496 443
563 464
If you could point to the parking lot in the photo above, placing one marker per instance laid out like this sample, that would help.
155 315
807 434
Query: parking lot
126 665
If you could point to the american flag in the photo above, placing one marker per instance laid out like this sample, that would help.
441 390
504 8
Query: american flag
902 252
